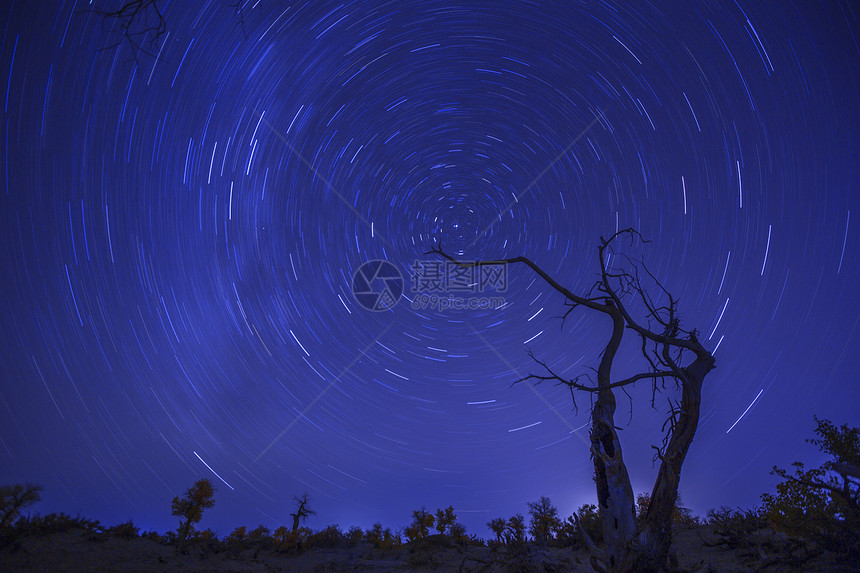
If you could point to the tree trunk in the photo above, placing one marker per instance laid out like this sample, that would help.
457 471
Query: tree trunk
614 492
642 547
654 533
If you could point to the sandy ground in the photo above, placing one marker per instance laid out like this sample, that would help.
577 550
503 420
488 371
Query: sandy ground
78 550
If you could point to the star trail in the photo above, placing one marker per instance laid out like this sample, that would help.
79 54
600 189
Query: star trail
182 225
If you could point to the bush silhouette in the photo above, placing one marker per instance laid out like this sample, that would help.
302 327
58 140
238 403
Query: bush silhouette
127 530
735 527
329 537
822 503
14 498
680 514
354 536
382 538
589 518
190 508
422 521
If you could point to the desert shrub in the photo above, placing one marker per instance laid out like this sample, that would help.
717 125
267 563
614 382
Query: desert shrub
207 542
331 536
422 521
42 525
543 520
127 530
259 534
281 536
190 508
822 503
567 534
589 518
155 536
14 498
733 528
382 538
354 536
457 532
680 514
237 535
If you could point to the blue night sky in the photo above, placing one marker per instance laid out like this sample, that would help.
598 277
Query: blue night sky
180 231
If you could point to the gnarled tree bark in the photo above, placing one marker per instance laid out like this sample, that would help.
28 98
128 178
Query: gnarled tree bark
631 545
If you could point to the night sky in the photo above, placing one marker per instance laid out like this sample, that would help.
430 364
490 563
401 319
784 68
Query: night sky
180 231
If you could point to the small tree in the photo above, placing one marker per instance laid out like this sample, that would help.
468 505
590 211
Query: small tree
457 532
544 521
445 519
190 509
14 498
515 532
422 521
498 525
303 511
822 503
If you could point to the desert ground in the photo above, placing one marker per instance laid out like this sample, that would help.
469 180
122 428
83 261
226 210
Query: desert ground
696 549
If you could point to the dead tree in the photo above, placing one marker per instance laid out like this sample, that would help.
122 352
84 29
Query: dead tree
135 22
302 511
140 24
671 355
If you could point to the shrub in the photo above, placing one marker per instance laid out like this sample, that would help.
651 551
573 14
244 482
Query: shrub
457 532
155 536
42 525
589 518
822 503
14 498
331 536
238 535
127 530
734 527
567 535
354 536
382 538
680 514
282 537
261 533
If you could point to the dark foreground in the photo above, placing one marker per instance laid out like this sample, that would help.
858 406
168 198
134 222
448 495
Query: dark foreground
696 549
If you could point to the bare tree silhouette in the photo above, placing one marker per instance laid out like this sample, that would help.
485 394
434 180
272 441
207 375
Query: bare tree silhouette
136 23
303 511
670 354
141 23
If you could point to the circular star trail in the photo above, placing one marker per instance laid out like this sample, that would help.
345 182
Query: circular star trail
182 221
